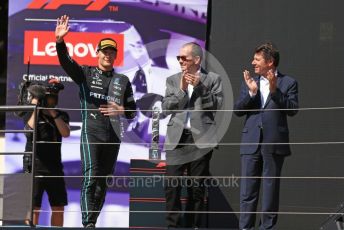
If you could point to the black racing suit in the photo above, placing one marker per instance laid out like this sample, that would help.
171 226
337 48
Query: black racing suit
97 87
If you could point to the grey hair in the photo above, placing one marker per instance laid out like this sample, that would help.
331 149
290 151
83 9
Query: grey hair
196 49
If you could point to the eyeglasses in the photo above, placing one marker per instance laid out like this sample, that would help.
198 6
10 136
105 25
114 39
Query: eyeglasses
183 58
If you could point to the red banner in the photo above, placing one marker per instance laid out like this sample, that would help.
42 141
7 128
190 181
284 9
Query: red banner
40 47
96 5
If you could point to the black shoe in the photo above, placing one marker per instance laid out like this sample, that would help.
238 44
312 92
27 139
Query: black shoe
90 225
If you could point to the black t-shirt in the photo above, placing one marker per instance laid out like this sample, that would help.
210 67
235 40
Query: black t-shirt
48 155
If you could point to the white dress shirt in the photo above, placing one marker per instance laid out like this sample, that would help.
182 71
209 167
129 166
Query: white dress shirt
264 88
187 124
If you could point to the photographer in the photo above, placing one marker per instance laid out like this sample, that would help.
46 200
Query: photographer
52 126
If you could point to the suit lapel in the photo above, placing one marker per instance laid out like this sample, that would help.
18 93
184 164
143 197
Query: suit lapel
257 80
178 79
267 101
203 75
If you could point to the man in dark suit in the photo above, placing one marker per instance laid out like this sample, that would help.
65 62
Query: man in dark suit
192 98
266 100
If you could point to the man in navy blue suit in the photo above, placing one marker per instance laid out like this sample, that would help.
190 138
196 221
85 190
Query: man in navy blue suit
266 100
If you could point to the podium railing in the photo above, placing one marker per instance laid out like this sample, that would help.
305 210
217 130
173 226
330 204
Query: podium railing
29 108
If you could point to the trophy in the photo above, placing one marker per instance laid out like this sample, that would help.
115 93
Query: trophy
154 151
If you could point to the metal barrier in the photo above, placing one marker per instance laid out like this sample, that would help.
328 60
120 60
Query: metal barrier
34 109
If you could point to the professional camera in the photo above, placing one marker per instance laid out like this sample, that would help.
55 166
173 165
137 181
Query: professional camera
29 90
42 92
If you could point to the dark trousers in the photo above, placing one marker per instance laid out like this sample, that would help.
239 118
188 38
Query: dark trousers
97 160
260 165
195 187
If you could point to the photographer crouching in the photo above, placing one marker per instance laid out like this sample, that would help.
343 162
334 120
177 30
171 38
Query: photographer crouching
52 125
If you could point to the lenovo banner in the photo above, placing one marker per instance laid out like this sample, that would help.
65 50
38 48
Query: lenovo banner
42 51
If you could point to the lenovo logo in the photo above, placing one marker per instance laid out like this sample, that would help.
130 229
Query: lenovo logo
92 5
40 46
